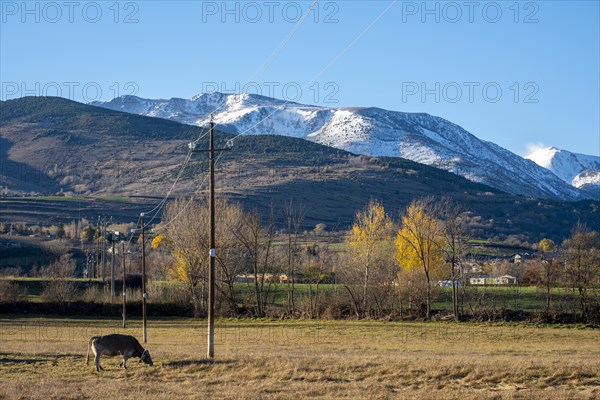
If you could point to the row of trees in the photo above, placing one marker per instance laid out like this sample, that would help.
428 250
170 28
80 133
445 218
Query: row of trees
82 230
386 267
383 268
383 259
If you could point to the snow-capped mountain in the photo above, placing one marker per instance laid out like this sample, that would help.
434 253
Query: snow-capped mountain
579 170
416 136
587 178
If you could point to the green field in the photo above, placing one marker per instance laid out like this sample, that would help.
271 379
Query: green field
516 298
49 198
111 198
44 358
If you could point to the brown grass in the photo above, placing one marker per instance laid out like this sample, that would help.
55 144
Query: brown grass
45 358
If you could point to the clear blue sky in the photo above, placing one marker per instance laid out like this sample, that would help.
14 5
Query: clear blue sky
449 59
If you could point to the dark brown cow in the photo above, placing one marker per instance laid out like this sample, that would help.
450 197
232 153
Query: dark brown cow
116 345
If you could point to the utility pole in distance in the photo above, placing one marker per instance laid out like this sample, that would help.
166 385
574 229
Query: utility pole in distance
124 292
97 234
104 254
210 353
144 294
112 267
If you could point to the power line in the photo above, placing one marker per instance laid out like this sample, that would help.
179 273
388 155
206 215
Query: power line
277 50
164 226
260 70
354 41
181 170
329 65
283 43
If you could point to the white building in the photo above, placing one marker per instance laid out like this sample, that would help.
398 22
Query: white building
505 280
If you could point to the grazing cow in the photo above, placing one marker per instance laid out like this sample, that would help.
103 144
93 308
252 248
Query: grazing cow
116 345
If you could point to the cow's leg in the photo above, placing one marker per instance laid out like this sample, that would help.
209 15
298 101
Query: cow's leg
123 363
97 362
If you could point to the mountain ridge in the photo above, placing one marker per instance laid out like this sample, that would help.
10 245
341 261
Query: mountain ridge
374 131
56 146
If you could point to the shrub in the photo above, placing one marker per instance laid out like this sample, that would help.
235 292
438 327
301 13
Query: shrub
11 272
10 292
167 292
95 294
62 291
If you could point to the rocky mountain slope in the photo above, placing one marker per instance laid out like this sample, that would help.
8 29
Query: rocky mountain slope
418 137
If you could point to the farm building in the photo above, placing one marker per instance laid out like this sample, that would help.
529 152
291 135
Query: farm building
478 280
249 278
505 280
499 280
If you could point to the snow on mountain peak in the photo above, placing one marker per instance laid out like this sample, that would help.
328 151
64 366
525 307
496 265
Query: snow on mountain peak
368 130
565 164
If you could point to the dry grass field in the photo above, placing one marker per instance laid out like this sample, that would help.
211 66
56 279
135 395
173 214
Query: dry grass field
45 358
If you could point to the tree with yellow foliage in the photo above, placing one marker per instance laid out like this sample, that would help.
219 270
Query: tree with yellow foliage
547 245
369 263
157 241
419 243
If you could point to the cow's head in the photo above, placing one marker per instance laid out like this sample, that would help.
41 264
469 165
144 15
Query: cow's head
145 357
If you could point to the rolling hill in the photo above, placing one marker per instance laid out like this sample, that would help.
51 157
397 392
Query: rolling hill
53 145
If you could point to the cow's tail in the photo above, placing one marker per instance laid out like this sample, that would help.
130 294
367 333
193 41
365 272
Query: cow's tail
87 359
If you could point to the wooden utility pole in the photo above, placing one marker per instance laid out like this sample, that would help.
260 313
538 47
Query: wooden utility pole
104 254
212 252
112 268
144 294
210 353
97 247
124 292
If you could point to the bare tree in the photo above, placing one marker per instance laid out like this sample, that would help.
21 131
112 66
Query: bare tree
548 268
11 291
256 242
61 288
454 221
294 217
56 248
243 246
316 264
231 256
581 253
186 235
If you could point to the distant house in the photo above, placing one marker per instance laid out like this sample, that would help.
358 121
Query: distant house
486 280
505 280
447 283
518 259
471 266
250 278
477 280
